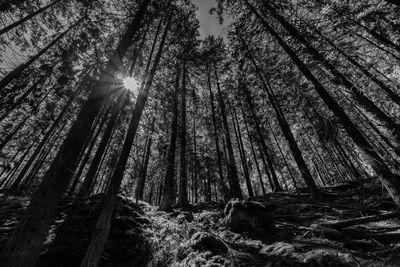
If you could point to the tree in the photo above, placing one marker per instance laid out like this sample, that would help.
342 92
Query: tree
24 246
387 177
168 193
182 194
103 225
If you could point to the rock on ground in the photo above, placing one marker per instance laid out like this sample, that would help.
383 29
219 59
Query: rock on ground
248 216
208 242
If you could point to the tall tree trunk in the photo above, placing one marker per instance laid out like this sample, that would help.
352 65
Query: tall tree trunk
35 169
18 71
292 176
28 17
182 193
273 179
389 180
221 179
168 192
6 165
19 183
86 158
103 225
253 151
143 170
139 49
95 164
14 186
241 151
7 180
21 123
7 139
235 190
195 172
38 164
25 244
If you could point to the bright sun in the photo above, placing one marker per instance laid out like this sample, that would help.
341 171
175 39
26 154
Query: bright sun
131 84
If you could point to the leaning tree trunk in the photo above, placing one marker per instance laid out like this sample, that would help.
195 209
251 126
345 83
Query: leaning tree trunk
103 225
7 139
28 17
372 32
7 180
38 165
389 180
24 246
12 190
18 71
358 96
85 159
275 186
391 93
94 165
301 164
22 98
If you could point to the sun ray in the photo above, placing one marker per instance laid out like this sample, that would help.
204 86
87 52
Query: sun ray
131 84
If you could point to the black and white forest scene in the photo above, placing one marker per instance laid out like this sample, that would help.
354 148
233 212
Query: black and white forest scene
190 133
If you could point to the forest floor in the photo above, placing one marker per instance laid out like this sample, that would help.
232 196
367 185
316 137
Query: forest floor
351 225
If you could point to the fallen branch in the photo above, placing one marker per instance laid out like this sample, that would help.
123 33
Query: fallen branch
362 220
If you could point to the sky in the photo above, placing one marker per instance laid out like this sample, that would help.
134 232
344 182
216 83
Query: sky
209 24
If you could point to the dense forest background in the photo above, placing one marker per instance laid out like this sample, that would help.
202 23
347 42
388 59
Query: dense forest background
124 97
